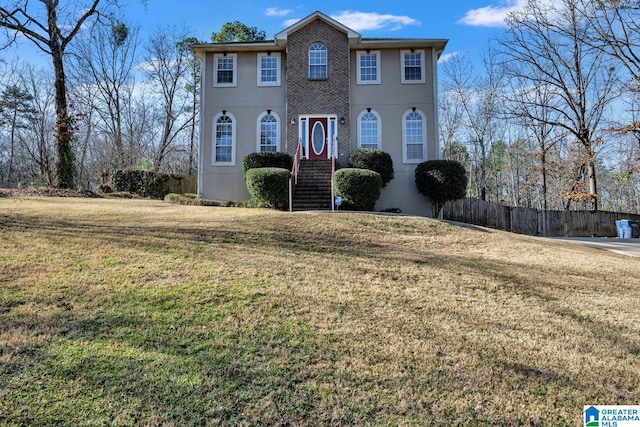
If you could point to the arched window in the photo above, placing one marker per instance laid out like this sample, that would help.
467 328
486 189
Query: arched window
413 136
318 61
224 140
369 130
268 132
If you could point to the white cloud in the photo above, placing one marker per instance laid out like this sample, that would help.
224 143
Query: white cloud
290 22
274 11
447 57
493 15
362 21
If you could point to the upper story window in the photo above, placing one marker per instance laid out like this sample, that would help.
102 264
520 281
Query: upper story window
318 61
368 67
413 136
269 69
369 130
224 140
412 62
268 131
225 69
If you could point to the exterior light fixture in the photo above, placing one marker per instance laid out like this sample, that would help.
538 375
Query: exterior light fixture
293 120
341 120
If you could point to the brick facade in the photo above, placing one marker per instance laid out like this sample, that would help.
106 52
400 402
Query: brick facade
330 96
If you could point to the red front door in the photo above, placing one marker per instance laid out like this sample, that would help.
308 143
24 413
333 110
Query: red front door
318 138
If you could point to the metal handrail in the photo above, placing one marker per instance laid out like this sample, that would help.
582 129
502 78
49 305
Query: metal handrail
334 152
293 180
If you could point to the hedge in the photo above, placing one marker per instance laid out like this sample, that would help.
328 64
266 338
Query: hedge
143 183
269 187
359 189
375 160
267 160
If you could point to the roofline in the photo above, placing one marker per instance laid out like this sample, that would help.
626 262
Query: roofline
264 46
282 35
273 46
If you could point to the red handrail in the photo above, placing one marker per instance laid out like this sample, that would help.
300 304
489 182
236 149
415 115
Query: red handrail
296 161
294 173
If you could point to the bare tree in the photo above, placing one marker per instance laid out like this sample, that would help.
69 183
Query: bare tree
37 139
477 100
51 25
544 46
103 73
168 66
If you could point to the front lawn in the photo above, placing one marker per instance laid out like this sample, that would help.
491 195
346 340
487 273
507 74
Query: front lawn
139 312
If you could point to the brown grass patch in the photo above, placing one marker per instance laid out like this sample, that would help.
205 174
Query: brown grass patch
143 312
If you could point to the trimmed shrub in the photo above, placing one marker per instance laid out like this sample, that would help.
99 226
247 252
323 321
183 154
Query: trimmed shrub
269 187
374 160
358 188
143 183
441 181
267 160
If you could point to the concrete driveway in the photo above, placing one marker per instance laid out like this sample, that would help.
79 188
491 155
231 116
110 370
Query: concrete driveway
630 247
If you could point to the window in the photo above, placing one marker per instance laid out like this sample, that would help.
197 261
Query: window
369 130
269 69
224 70
268 131
224 142
368 67
318 61
413 136
412 66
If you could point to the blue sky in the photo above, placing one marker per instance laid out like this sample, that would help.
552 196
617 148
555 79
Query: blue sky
468 24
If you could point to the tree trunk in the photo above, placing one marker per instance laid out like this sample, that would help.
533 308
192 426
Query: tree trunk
65 165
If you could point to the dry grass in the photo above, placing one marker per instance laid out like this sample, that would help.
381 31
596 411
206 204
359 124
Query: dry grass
145 313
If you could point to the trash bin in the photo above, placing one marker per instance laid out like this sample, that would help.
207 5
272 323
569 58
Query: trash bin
624 229
635 229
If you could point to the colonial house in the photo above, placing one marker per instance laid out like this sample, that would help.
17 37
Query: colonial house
319 90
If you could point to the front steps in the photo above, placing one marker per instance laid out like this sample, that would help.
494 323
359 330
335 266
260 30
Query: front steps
313 190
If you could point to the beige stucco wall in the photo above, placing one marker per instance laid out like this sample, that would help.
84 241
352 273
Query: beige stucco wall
245 102
391 100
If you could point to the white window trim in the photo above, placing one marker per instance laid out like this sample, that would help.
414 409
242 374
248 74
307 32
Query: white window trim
262 55
233 141
233 56
404 137
326 63
375 113
258 127
422 67
378 70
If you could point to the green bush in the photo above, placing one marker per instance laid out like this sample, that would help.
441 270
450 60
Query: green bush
267 160
375 160
103 188
143 183
194 200
358 188
269 187
441 181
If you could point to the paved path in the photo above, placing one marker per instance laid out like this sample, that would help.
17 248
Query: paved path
630 247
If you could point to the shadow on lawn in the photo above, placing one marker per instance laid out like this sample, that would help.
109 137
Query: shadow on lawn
145 369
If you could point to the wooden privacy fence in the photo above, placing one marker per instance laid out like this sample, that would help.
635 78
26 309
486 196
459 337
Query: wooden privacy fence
535 222
181 184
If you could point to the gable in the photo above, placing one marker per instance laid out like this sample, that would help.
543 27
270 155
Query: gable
283 36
